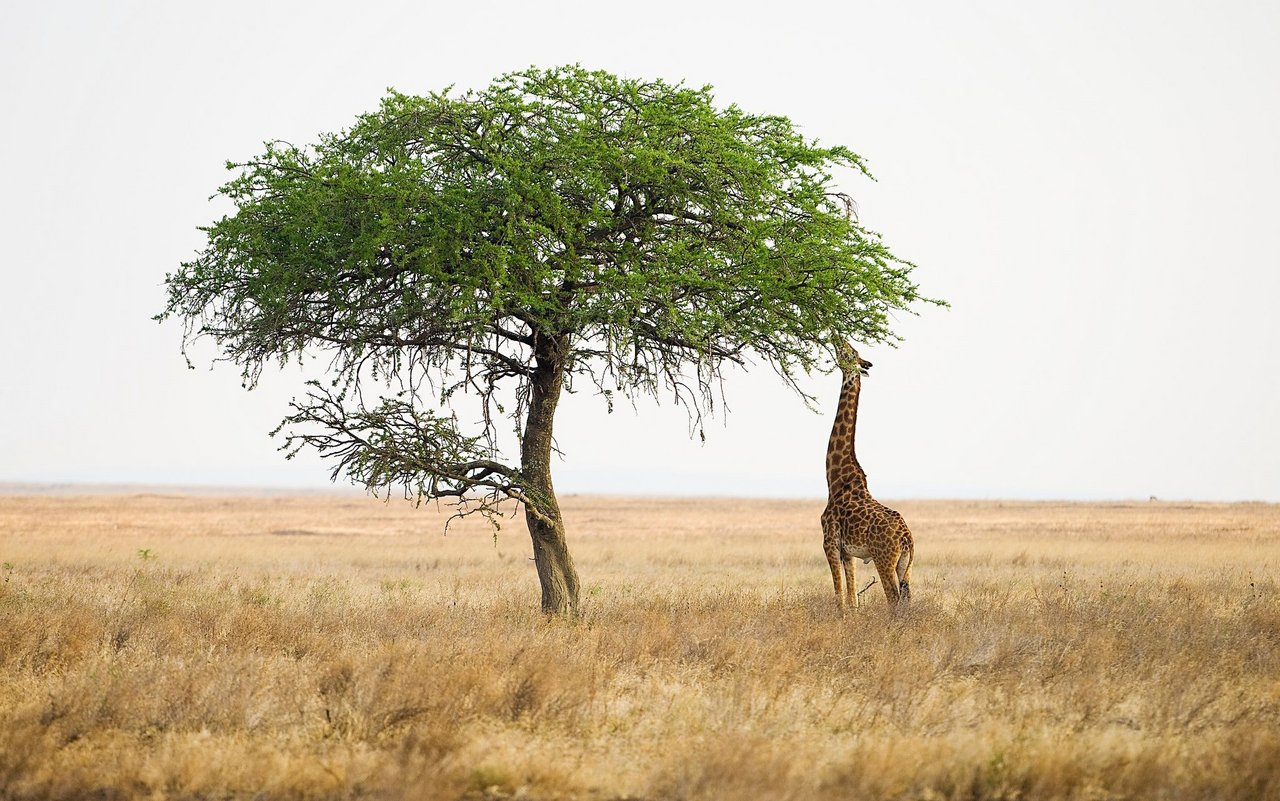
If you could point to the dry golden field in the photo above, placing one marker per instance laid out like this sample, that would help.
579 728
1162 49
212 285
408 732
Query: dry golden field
339 647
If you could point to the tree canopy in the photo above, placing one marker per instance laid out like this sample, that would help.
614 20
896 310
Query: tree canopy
559 226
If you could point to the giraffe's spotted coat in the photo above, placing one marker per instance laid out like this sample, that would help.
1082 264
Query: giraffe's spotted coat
854 524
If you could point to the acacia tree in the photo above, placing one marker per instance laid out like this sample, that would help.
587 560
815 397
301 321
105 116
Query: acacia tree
560 226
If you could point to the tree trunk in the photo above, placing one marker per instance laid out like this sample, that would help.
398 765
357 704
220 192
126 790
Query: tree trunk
556 573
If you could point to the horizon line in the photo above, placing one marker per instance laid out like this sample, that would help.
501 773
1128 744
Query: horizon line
90 488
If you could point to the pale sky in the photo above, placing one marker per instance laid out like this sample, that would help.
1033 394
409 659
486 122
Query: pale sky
1095 187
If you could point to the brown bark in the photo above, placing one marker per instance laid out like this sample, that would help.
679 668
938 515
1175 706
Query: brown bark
556 573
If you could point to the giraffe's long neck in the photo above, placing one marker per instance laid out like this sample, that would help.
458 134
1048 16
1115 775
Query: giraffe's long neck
843 470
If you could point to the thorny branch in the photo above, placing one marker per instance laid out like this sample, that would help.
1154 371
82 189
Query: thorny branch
400 444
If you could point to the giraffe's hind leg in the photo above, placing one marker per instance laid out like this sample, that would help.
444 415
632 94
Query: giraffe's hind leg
904 573
886 567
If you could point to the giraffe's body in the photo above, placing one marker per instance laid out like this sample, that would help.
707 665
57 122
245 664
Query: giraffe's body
854 524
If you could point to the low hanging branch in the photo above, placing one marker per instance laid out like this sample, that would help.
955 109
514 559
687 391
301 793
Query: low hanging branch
397 444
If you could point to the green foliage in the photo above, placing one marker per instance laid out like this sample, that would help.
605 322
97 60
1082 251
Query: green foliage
441 242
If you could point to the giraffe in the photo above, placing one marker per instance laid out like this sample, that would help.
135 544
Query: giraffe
855 525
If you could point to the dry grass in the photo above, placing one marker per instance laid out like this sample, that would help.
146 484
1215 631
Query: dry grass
332 647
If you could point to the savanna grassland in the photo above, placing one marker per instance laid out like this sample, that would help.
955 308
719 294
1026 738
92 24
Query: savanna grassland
339 647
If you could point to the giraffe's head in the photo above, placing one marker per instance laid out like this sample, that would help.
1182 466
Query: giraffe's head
847 359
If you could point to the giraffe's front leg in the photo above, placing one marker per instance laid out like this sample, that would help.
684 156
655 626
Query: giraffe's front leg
851 580
837 575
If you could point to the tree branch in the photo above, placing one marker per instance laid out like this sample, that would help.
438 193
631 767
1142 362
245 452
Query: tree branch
397 444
